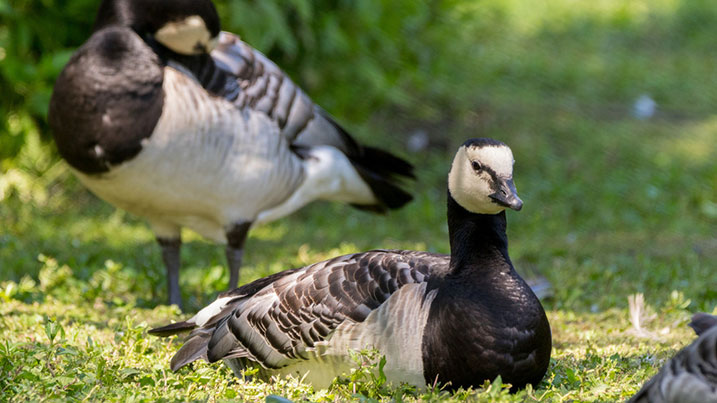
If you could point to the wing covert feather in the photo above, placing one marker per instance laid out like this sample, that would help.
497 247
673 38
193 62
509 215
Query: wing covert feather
263 86
291 315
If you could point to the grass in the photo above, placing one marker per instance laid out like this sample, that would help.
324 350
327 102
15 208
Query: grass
614 206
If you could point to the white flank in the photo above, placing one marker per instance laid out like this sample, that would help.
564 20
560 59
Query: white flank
329 175
396 330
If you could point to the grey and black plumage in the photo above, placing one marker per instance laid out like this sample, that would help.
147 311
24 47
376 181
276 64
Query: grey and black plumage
691 375
458 319
162 114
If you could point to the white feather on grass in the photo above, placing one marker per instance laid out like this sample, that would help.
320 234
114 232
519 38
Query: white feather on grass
639 316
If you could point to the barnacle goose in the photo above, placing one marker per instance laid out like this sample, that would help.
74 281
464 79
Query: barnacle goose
457 319
691 375
161 114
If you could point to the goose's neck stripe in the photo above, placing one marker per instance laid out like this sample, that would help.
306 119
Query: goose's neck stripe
475 237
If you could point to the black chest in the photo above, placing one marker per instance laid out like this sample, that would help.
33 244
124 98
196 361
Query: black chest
479 328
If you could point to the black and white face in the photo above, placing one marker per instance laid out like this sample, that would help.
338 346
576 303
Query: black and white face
481 177
188 27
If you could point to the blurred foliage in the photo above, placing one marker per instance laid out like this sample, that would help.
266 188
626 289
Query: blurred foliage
37 38
426 59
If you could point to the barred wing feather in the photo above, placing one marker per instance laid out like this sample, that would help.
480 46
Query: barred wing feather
290 313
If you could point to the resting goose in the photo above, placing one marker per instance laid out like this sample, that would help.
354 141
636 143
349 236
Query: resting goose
691 375
161 114
458 319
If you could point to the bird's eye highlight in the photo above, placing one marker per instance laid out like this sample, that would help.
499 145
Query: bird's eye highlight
476 166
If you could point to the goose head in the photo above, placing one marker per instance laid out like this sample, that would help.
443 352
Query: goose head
481 177
187 27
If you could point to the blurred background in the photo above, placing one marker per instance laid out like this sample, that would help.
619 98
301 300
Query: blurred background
610 107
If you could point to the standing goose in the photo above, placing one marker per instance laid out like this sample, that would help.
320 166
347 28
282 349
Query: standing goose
161 114
459 319
691 375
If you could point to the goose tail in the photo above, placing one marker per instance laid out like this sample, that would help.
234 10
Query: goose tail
172 329
193 349
203 325
384 173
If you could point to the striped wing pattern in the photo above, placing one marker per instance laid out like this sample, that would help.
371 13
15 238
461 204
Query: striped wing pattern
262 86
298 311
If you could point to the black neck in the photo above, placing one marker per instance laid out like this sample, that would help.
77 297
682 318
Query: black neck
213 79
475 238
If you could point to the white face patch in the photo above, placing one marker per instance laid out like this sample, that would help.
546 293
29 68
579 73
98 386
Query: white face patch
497 158
471 189
189 36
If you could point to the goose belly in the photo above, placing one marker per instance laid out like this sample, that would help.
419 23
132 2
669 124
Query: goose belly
206 165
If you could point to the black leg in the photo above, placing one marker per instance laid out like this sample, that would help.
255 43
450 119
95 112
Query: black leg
236 236
170 255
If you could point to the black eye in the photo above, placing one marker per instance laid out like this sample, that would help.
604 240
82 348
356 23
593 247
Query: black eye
476 166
